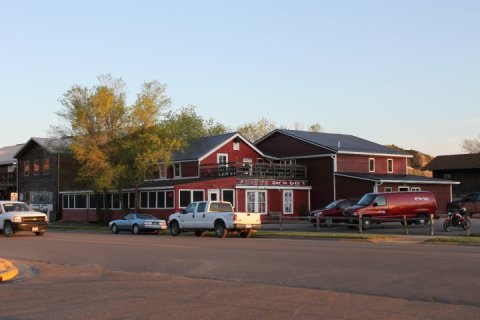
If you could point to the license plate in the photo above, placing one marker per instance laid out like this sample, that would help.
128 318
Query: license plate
34 229
248 226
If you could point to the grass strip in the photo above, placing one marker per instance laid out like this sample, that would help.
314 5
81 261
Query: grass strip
321 235
473 239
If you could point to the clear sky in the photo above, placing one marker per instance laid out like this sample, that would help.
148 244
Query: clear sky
393 72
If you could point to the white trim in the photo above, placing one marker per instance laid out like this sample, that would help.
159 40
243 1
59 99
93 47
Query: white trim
403 187
283 201
236 135
213 191
256 199
369 160
179 170
334 158
415 189
234 195
398 181
388 161
226 159
376 154
274 188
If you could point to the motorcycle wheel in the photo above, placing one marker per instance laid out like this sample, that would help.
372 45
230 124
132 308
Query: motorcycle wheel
466 224
447 225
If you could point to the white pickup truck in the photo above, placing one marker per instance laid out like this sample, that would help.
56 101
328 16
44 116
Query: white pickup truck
201 216
17 216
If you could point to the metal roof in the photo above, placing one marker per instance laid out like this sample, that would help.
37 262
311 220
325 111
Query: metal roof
7 154
51 145
339 143
200 147
455 161
396 178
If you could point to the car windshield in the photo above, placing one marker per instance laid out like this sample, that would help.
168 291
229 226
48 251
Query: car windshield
15 207
146 217
366 200
220 207
333 204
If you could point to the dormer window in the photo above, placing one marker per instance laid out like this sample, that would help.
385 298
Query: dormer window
26 168
162 171
371 165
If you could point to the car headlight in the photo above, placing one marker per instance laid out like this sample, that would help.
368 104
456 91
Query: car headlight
17 219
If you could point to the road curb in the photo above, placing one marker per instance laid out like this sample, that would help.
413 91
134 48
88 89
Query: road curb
7 270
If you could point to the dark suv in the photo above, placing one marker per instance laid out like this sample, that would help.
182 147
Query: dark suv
471 202
332 213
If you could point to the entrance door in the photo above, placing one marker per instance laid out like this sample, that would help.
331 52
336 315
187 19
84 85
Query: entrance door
214 195
256 201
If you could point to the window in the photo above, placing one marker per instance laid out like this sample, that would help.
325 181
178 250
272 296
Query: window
177 170
288 162
162 171
188 196
387 189
256 201
389 165
161 199
128 200
201 207
415 189
236 145
228 195
143 199
46 167
169 202
36 167
191 207
380 201
26 168
152 200
115 201
80 201
447 176
97 198
403 188
287 201
156 200
371 165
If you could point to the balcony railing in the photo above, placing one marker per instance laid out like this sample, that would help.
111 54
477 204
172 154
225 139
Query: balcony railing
258 170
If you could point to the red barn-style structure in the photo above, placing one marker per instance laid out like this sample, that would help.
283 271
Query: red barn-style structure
345 166
225 167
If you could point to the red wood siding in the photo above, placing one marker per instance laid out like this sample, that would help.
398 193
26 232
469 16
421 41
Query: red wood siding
352 188
275 145
189 169
233 155
320 177
360 164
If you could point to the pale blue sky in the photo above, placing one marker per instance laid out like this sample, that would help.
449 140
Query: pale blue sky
401 72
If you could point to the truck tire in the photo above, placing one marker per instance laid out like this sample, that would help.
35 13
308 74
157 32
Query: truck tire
220 230
8 229
175 228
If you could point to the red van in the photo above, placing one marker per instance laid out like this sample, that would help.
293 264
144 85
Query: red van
379 207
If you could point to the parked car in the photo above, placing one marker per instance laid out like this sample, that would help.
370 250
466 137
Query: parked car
380 207
138 222
332 213
471 202
18 216
201 216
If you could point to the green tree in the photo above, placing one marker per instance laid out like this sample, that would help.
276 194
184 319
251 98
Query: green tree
253 131
471 145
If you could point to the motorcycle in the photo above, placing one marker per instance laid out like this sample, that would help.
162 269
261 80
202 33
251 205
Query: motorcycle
457 219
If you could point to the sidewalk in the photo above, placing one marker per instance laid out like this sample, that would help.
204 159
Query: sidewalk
7 270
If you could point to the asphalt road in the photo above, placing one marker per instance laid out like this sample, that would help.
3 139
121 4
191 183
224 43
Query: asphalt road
68 275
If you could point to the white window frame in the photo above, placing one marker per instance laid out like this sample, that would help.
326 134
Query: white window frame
236 146
163 169
371 160
415 189
222 155
191 196
388 189
179 170
283 201
256 200
405 188
233 192
388 165
213 191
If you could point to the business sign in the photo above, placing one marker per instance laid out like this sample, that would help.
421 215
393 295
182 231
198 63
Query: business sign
272 183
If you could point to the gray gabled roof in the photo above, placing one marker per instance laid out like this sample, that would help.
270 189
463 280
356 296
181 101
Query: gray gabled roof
7 154
200 147
51 145
455 162
395 178
339 143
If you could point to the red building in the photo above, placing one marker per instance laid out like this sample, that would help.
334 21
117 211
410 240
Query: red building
225 167
344 166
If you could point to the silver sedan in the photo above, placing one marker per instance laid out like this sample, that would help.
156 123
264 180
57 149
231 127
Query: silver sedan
138 222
